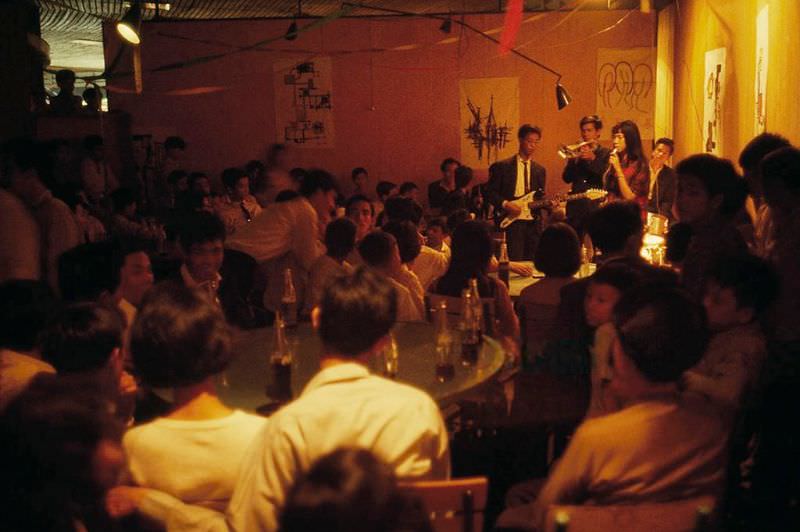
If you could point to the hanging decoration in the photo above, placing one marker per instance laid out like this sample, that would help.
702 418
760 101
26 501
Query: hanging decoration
762 67
714 95
511 24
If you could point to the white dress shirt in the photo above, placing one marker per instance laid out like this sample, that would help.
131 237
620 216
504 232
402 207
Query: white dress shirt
430 265
343 405
20 243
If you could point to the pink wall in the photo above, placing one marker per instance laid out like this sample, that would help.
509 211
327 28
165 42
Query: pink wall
415 121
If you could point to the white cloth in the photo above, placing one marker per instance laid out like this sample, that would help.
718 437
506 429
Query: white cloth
16 371
323 271
196 461
407 307
59 232
290 226
410 280
430 265
98 179
20 244
342 405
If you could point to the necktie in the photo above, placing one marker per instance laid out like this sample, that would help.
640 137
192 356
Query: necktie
527 178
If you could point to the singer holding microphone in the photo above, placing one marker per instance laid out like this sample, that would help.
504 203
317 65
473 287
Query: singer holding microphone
628 175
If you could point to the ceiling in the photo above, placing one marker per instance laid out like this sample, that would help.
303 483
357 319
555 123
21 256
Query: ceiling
73 28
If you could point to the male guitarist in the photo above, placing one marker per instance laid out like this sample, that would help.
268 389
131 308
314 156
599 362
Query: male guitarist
512 178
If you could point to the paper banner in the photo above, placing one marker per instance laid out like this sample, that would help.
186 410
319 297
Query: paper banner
762 63
713 96
626 84
304 102
489 120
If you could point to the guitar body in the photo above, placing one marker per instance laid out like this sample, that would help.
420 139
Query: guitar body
532 201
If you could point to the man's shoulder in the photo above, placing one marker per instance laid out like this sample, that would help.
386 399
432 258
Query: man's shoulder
504 163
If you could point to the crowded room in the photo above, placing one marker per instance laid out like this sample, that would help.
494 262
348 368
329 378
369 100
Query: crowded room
399 266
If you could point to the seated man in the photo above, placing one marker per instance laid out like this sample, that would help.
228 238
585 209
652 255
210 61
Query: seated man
379 251
340 241
661 446
343 405
237 207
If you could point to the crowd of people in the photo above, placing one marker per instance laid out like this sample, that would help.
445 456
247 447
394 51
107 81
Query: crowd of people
110 290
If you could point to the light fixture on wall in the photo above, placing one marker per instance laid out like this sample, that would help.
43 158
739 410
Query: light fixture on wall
563 98
291 31
130 26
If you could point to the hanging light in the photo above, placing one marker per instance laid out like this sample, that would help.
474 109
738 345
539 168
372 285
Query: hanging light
563 98
130 27
446 26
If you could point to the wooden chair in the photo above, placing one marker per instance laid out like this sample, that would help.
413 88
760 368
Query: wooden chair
455 505
432 302
675 516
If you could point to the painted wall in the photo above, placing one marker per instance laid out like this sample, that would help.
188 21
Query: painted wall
703 25
396 111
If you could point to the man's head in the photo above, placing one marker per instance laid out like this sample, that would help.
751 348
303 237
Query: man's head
780 173
591 126
605 289
464 175
202 241
409 190
25 309
559 251
361 211
385 190
319 188
65 79
18 168
708 187
529 137
340 238
409 241
399 209
236 182
752 155
356 313
360 177
436 232
199 183
379 250
93 98
83 338
179 180
448 168
661 332
132 270
174 147
179 337
616 228
738 291
663 150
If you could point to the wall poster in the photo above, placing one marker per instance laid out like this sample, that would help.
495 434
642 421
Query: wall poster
626 87
762 62
713 96
304 102
489 110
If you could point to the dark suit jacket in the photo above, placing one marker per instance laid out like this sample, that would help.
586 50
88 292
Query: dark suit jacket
583 174
503 180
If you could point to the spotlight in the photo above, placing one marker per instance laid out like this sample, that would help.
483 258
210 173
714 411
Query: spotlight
446 26
563 98
130 27
291 32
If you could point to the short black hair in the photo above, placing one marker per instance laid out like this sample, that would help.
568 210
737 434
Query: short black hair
759 147
662 331
91 142
90 93
179 337
752 279
621 276
82 337
718 177
376 248
357 170
669 143
592 119
340 237
463 176
384 188
26 307
65 74
356 311
456 218
199 228
358 198
350 490
783 166
612 225
559 251
402 209
316 180
286 195
447 162
231 176
527 129
122 198
440 222
407 238
408 186
120 249
174 143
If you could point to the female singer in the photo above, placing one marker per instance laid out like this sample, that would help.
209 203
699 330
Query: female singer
628 161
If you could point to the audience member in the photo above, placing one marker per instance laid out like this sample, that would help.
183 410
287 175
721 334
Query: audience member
132 277
439 189
65 102
96 175
383 190
379 251
362 212
437 234
94 99
278 177
663 456
409 244
124 222
360 179
20 242
710 193
199 183
350 490
340 241
257 173
237 207
459 197
409 190
92 229
661 195
25 308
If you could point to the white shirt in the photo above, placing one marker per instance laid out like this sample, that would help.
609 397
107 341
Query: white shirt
410 280
281 228
98 179
16 372
342 405
20 245
196 461
59 232
407 307
430 265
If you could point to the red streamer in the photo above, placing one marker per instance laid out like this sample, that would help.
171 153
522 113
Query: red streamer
511 24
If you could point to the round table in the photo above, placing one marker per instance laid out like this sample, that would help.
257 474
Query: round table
245 382
517 283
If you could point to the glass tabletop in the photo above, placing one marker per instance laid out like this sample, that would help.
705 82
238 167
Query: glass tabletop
249 382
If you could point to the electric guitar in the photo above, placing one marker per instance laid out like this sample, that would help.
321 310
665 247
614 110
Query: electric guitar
529 203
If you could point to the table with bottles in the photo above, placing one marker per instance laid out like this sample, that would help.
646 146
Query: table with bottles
252 380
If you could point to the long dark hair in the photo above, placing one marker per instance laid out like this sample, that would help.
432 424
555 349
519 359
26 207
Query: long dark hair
471 253
633 142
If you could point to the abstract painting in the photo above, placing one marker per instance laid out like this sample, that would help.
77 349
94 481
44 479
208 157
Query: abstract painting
489 109
762 64
626 87
713 96
304 102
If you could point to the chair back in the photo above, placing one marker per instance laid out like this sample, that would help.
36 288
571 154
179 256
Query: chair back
688 515
455 505
432 302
